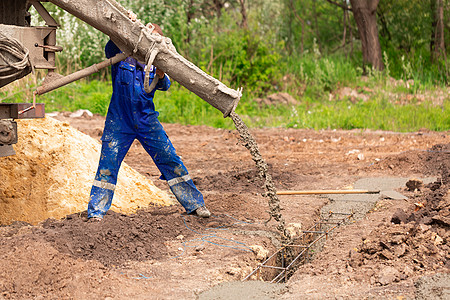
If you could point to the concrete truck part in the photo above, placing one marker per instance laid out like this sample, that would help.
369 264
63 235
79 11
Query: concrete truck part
24 48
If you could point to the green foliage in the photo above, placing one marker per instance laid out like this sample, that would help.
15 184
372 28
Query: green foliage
405 24
93 96
376 114
322 75
298 49
243 59
322 23
279 34
417 66
178 105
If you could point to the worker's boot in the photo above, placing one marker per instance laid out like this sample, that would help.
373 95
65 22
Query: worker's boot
95 219
203 212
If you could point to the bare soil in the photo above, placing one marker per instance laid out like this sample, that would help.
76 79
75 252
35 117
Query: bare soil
162 253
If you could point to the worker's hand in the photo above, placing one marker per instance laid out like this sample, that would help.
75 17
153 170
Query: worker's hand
132 16
159 72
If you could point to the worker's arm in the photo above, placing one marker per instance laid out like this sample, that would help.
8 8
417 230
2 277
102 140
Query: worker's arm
164 81
111 49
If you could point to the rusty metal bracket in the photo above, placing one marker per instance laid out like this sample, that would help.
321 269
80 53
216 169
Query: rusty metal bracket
22 110
49 48
49 21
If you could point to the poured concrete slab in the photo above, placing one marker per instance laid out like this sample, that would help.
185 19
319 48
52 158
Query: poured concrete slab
360 204
392 195
255 290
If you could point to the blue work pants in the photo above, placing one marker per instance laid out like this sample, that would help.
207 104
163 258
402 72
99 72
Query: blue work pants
158 145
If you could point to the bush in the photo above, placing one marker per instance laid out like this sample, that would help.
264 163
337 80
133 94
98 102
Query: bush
241 58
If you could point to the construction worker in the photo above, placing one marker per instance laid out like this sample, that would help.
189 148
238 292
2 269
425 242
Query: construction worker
132 115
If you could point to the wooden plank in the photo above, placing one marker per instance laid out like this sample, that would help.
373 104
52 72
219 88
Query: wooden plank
320 192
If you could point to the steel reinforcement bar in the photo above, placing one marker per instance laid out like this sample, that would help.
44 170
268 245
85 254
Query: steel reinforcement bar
317 232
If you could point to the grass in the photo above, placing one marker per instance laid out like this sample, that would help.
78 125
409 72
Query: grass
310 78
376 114
93 96
179 105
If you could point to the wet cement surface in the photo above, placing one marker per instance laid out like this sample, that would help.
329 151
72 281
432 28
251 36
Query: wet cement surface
361 204
254 290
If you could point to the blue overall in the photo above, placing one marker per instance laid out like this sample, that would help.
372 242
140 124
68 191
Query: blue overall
131 115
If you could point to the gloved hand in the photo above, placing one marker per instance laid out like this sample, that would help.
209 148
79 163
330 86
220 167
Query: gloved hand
160 73
132 16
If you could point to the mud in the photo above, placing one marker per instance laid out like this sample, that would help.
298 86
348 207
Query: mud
274 203
181 264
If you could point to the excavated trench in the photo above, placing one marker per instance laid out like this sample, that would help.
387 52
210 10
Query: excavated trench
340 210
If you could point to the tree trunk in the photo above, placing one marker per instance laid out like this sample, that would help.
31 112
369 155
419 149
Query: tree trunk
437 43
302 26
218 5
244 23
364 12
189 15
316 26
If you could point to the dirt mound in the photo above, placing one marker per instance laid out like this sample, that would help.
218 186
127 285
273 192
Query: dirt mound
243 180
52 173
44 273
416 239
277 99
433 161
117 238
120 238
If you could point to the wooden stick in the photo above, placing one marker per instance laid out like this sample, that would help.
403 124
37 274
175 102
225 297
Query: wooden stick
319 192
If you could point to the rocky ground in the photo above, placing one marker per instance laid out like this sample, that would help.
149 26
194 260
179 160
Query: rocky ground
400 249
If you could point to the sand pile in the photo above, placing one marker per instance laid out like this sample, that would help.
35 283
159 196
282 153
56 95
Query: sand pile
52 172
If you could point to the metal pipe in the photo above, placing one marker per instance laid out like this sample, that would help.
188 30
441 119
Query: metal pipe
273 267
50 86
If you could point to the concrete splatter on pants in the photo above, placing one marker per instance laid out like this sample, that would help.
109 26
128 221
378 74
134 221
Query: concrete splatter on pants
155 141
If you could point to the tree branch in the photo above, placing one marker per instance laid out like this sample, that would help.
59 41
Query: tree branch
297 16
340 5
